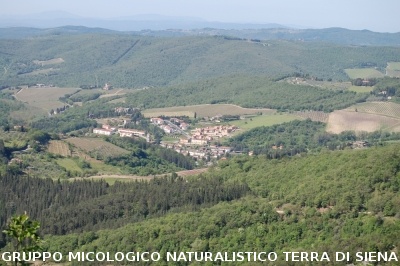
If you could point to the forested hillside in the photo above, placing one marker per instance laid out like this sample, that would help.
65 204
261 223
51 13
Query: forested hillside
137 61
346 200
297 137
246 91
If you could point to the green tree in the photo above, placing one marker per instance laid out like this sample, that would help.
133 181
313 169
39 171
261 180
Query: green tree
24 234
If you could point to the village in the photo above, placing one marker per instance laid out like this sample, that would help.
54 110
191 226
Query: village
201 143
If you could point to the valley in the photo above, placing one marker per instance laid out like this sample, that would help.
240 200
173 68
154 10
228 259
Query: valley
187 141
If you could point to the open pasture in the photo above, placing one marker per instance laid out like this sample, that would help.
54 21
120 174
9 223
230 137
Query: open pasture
204 110
97 147
45 98
363 73
343 120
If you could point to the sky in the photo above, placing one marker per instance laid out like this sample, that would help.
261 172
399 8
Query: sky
375 15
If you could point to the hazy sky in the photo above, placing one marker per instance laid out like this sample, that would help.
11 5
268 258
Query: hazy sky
376 15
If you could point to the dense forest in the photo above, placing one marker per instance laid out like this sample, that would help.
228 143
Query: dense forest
65 207
135 61
340 200
247 91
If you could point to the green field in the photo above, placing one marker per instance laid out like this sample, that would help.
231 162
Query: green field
363 73
263 120
361 89
69 164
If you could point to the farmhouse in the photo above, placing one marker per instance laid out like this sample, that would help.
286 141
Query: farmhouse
157 121
103 131
131 132
106 130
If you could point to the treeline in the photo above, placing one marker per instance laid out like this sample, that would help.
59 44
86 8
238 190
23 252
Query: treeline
65 207
335 201
147 158
296 137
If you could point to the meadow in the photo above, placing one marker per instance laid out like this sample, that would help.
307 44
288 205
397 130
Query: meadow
363 73
361 89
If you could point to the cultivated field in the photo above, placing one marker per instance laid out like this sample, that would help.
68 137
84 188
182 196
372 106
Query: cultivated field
59 147
97 147
205 110
45 98
343 120
313 115
380 108
363 73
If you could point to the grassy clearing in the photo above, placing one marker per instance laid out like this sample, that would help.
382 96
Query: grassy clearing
361 89
69 164
263 120
203 110
363 73
103 168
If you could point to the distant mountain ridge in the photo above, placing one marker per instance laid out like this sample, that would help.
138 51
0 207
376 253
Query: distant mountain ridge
331 35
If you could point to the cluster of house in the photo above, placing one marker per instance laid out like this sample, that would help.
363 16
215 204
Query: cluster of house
108 130
203 152
203 136
171 126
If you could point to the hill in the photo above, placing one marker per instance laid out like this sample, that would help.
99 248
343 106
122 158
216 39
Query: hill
136 61
198 28
346 201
